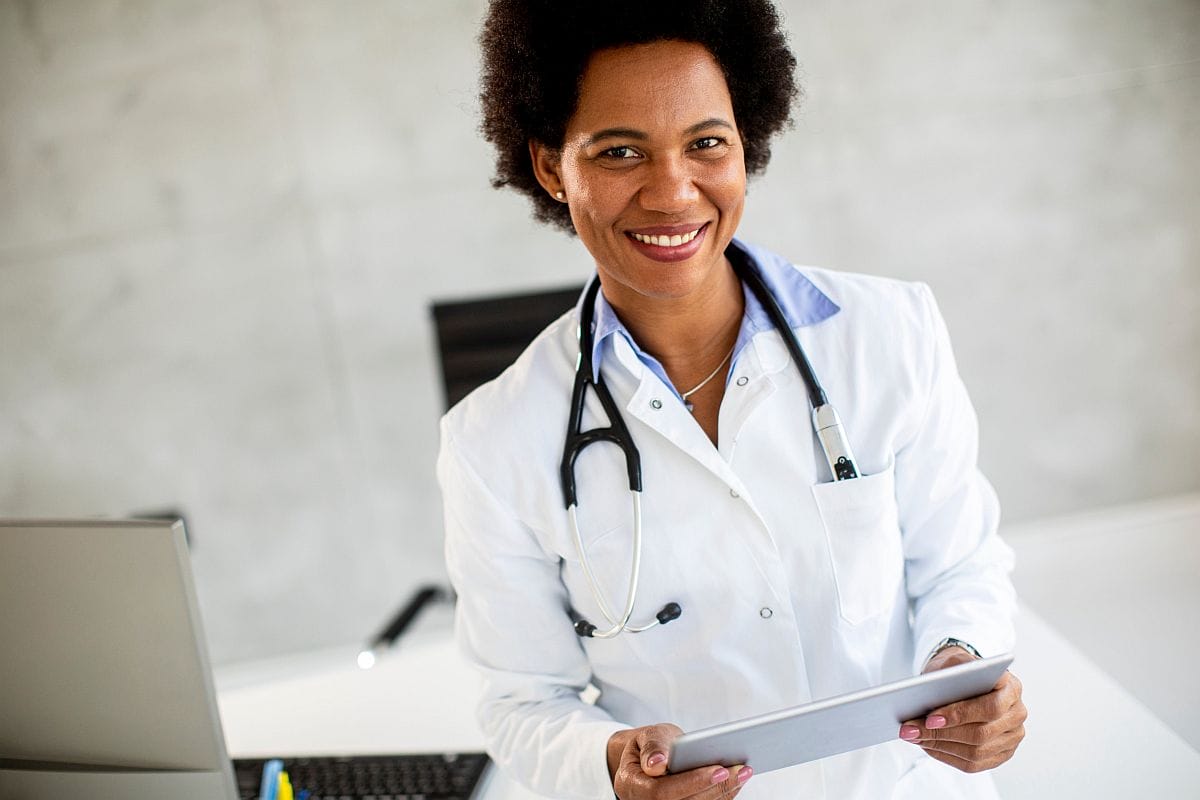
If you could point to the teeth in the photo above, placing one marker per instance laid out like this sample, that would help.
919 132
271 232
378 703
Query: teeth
667 241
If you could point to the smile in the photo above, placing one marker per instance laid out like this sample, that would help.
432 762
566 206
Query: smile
669 243
666 241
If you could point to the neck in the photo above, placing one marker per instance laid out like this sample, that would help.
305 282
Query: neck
690 335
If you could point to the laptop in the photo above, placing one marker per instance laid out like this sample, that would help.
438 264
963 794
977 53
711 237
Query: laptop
107 692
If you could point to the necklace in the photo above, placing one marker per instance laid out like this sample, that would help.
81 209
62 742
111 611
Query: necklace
701 384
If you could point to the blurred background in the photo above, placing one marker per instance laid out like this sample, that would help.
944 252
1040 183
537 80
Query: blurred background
222 224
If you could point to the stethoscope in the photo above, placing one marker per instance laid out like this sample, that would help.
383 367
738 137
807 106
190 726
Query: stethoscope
824 418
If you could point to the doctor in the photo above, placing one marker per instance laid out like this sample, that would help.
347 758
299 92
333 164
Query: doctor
746 577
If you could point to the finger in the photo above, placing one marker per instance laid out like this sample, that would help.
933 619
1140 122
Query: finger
705 782
952 760
969 761
652 744
728 788
976 752
977 733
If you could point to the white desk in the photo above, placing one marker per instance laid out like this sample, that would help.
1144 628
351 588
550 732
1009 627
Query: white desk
1086 736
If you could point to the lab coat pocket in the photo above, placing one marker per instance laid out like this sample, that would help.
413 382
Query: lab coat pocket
862 528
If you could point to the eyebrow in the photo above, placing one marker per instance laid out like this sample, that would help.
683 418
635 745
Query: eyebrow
633 133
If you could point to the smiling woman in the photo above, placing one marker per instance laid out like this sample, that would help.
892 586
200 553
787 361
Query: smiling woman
653 173
626 186
770 578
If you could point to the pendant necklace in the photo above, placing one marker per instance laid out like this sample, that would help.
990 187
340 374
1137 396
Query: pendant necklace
700 385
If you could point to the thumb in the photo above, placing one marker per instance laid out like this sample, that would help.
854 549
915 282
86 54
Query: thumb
654 742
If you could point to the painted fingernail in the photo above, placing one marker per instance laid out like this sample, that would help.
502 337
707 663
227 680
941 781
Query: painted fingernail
655 759
909 733
720 775
744 774
936 721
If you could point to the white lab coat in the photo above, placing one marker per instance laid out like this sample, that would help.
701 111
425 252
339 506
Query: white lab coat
793 588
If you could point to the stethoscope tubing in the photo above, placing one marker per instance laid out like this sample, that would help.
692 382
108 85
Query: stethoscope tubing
621 624
825 422
816 394
616 432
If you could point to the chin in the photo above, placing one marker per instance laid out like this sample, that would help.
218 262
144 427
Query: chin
665 281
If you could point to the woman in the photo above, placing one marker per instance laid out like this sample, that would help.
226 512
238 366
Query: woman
634 127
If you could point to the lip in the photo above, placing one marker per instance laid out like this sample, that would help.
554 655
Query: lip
681 253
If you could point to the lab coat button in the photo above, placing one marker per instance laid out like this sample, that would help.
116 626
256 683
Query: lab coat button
742 381
656 403
765 612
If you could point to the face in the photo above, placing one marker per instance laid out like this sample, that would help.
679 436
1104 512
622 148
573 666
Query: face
652 169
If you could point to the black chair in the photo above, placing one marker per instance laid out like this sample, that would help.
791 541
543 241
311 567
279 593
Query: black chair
479 338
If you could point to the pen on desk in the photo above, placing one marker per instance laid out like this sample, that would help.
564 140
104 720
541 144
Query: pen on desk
396 627
269 788
284 791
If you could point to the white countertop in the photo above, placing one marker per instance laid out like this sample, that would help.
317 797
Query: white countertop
1086 736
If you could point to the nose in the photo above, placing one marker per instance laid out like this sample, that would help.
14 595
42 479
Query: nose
669 187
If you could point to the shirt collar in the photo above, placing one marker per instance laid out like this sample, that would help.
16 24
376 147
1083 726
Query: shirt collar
802 303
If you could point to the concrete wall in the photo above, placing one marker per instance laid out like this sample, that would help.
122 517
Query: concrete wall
221 224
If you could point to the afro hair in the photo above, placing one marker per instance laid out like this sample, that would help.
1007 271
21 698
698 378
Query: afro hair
534 53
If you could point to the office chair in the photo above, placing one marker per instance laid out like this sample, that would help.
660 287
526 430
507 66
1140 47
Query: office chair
479 338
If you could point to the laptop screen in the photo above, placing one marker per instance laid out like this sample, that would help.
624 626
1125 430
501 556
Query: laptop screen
104 659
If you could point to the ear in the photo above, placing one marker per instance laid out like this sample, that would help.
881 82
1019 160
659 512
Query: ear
546 161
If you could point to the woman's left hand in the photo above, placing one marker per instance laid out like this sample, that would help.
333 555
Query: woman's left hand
976 734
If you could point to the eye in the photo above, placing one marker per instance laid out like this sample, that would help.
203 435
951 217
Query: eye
708 143
619 152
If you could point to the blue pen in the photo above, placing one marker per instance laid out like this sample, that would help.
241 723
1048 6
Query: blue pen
270 779
304 793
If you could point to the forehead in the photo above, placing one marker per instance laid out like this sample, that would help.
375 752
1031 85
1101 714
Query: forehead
655 86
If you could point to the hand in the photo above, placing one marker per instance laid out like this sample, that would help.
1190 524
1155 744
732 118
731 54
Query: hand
976 734
637 764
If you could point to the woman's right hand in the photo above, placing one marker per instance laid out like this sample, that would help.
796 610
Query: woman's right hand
637 764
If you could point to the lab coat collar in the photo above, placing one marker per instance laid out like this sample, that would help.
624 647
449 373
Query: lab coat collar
647 403
802 302
670 420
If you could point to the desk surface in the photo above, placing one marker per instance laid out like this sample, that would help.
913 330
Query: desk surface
1086 736
1134 581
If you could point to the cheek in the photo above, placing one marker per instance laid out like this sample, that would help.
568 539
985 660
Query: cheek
730 184
595 200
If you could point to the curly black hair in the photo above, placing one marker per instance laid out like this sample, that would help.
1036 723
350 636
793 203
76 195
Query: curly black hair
535 53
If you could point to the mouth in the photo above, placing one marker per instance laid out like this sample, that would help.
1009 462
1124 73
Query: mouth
669 242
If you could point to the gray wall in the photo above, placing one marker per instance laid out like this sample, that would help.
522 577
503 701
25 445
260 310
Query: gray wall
221 224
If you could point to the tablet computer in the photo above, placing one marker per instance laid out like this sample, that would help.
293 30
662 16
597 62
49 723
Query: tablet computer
834 725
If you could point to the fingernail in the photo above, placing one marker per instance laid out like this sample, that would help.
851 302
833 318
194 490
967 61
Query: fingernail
936 721
655 759
720 775
744 775
909 733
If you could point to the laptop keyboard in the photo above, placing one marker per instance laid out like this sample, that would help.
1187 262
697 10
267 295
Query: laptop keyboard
426 776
